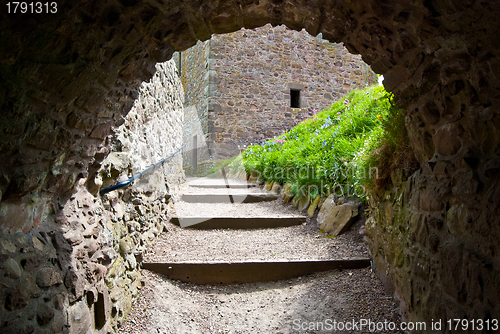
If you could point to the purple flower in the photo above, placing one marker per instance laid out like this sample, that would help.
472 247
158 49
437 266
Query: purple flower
375 99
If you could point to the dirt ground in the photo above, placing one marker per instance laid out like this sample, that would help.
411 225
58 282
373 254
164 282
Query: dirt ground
346 301
307 304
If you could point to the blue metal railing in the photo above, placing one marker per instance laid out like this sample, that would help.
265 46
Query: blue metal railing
138 175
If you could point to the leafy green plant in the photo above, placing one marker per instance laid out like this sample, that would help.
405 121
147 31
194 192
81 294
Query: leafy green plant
333 151
231 165
389 149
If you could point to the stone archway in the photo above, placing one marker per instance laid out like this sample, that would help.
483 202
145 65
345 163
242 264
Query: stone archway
68 77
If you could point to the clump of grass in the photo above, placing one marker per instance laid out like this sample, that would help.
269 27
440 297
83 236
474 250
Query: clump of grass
391 150
232 165
338 150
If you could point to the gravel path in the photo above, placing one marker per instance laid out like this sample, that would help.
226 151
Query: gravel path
300 305
174 307
225 191
302 242
262 209
211 180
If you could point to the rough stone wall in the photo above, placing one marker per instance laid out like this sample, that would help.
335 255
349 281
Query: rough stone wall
247 75
194 72
438 244
67 78
252 72
437 253
77 272
153 130
196 150
195 78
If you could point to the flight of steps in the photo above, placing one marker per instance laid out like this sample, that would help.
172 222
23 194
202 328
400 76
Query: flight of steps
213 204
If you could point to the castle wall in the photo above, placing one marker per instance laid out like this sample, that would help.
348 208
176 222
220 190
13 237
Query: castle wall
77 270
68 80
193 70
252 72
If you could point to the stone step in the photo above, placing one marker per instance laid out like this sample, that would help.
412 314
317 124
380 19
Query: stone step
222 273
220 186
225 198
211 223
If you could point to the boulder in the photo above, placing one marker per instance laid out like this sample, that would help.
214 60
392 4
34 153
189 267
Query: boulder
321 201
340 218
326 207
286 193
276 188
303 203
313 206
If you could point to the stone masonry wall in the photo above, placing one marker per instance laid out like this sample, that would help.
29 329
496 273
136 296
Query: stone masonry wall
193 69
77 271
194 136
152 131
252 72
68 78
195 76
437 258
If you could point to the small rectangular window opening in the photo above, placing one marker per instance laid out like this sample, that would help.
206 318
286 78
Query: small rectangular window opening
294 98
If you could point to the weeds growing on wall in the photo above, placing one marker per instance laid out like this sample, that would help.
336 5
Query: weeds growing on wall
344 149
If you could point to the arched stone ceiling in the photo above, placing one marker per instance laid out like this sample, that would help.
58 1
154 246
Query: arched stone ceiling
68 77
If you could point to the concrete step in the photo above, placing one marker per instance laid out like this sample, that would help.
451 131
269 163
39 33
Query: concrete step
225 198
210 223
222 273
219 186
